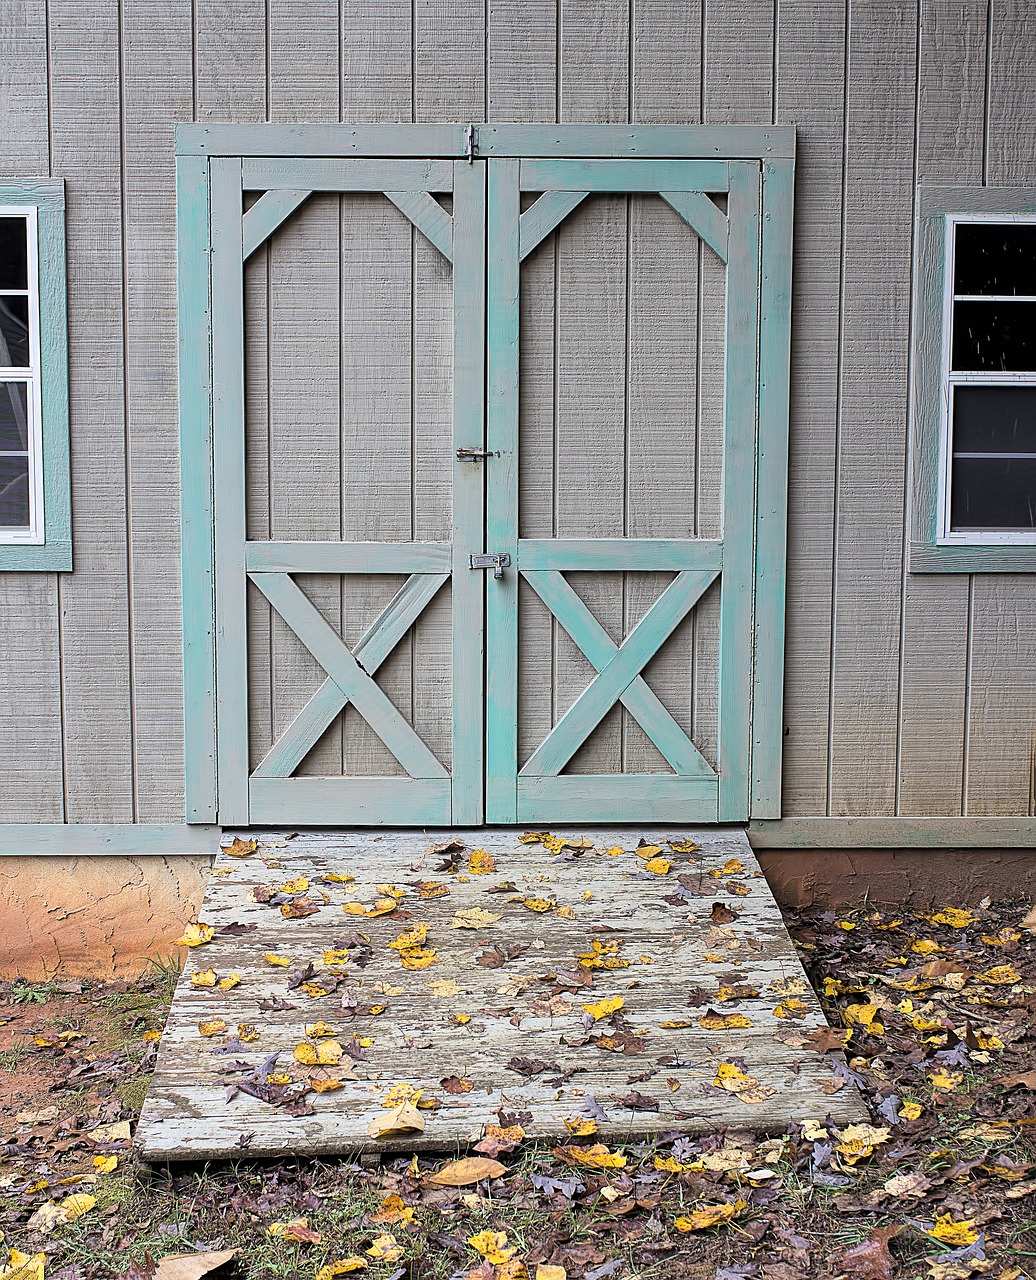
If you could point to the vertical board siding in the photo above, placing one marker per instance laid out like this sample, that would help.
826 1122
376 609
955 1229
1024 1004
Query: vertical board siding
30 670
90 683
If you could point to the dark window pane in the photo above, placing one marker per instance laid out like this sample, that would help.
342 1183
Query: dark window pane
994 336
14 331
14 492
994 420
989 494
14 253
14 417
995 257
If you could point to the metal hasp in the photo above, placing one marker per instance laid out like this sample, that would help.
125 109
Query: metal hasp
497 561
474 455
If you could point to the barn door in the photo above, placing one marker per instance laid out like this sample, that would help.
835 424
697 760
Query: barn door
624 312
347 374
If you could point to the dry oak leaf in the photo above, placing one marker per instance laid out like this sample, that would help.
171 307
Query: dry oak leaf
204 978
213 1028
712 1215
239 848
392 1210
400 1120
457 1084
713 1021
604 1008
463 1173
193 1266
481 862
596 1157
195 935
473 918
386 1248
493 1246
341 1267
499 1139
871 1259
326 1054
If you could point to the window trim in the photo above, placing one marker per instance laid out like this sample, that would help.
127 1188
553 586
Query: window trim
933 549
49 546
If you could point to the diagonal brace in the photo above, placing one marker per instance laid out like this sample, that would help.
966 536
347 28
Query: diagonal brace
617 674
428 216
328 648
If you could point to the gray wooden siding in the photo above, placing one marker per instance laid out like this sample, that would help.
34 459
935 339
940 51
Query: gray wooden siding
905 694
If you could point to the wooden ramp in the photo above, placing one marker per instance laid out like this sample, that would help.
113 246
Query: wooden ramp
698 1005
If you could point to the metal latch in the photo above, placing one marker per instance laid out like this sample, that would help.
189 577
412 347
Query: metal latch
471 143
498 561
474 455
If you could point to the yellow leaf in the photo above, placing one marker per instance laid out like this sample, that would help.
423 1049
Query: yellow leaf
400 1093
297 1230
195 935
462 1019
945 1080
793 1007
402 1119
676 1024
23 1266
317 1030
444 987
213 1028
1002 975
546 1272
431 889
713 1021
114 1131
531 837
247 1033
151 1037
712 1215
658 866
492 1245
604 1008
669 1164
326 1054
714 957
229 982
538 904
648 851
106 1164
565 913
683 846
417 958
910 1110
239 848
336 877
386 1248
473 918
340 956
392 1210
580 1128
326 1086
299 885
731 1078
857 1141
341 1267
955 917
481 863
925 946
75 1206
413 937
314 990
596 1157
859 1015
954 1233
615 851
732 867
281 962
204 978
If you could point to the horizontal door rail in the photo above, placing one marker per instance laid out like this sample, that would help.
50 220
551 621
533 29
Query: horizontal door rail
332 802
305 173
620 554
623 175
617 797
348 557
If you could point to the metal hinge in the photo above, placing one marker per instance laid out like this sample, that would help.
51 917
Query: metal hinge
475 455
498 561
471 143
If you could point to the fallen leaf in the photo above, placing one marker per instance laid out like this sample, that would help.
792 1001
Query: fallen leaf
949 1232
955 917
444 987
499 1139
604 1008
392 1210
712 1215
328 1053
229 982
341 1267
297 1230
581 1128
658 866
386 1248
115 1131
492 1245
402 1119
213 1028
57 1212
106 1164
871 1259
463 1173
239 848
195 935
713 1021
596 1157
473 918
204 978
280 962
541 905
23 1266
481 863
1018 1080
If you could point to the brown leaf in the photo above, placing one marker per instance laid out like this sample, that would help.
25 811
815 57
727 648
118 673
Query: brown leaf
462 1173
871 1259
722 914
500 1139
825 1039
1019 1080
455 1084
192 1266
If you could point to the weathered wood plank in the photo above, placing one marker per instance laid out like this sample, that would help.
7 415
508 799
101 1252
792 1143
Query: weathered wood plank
419 1041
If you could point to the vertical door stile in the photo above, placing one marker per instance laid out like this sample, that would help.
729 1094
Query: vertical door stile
228 445
772 518
502 319
739 467
469 431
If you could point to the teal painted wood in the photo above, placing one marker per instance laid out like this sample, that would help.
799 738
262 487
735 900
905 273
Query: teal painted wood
428 216
469 431
54 554
543 217
380 639
346 175
620 554
348 557
82 840
639 699
228 454
620 797
196 527
337 802
926 553
502 323
703 217
778 197
303 617
623 175
421 140
266 215
739 464
894 833
618 673
690 142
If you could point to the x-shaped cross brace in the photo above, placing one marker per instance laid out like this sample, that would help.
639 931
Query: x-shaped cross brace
618 673
349 675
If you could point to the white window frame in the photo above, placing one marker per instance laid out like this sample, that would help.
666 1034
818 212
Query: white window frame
952 378
32 376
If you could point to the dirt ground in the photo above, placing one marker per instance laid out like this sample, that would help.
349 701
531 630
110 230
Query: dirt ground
935 1025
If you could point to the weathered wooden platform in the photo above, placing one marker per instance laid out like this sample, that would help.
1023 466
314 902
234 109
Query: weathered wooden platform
494 1028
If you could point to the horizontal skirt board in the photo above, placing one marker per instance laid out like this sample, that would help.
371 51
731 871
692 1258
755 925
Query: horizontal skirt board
314 801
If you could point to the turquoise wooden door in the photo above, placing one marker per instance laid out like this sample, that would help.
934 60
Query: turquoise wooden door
554 606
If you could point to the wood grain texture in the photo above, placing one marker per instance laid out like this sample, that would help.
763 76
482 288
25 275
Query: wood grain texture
416 1040
93 601
30 719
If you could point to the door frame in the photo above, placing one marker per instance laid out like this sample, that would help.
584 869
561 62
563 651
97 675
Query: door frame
205 154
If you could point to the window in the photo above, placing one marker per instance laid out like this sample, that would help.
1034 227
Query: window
34 480
975 382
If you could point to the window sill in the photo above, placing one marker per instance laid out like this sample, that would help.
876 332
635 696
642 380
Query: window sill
50 557
975 558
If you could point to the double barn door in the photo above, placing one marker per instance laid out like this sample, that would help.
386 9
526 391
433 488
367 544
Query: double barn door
484 452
